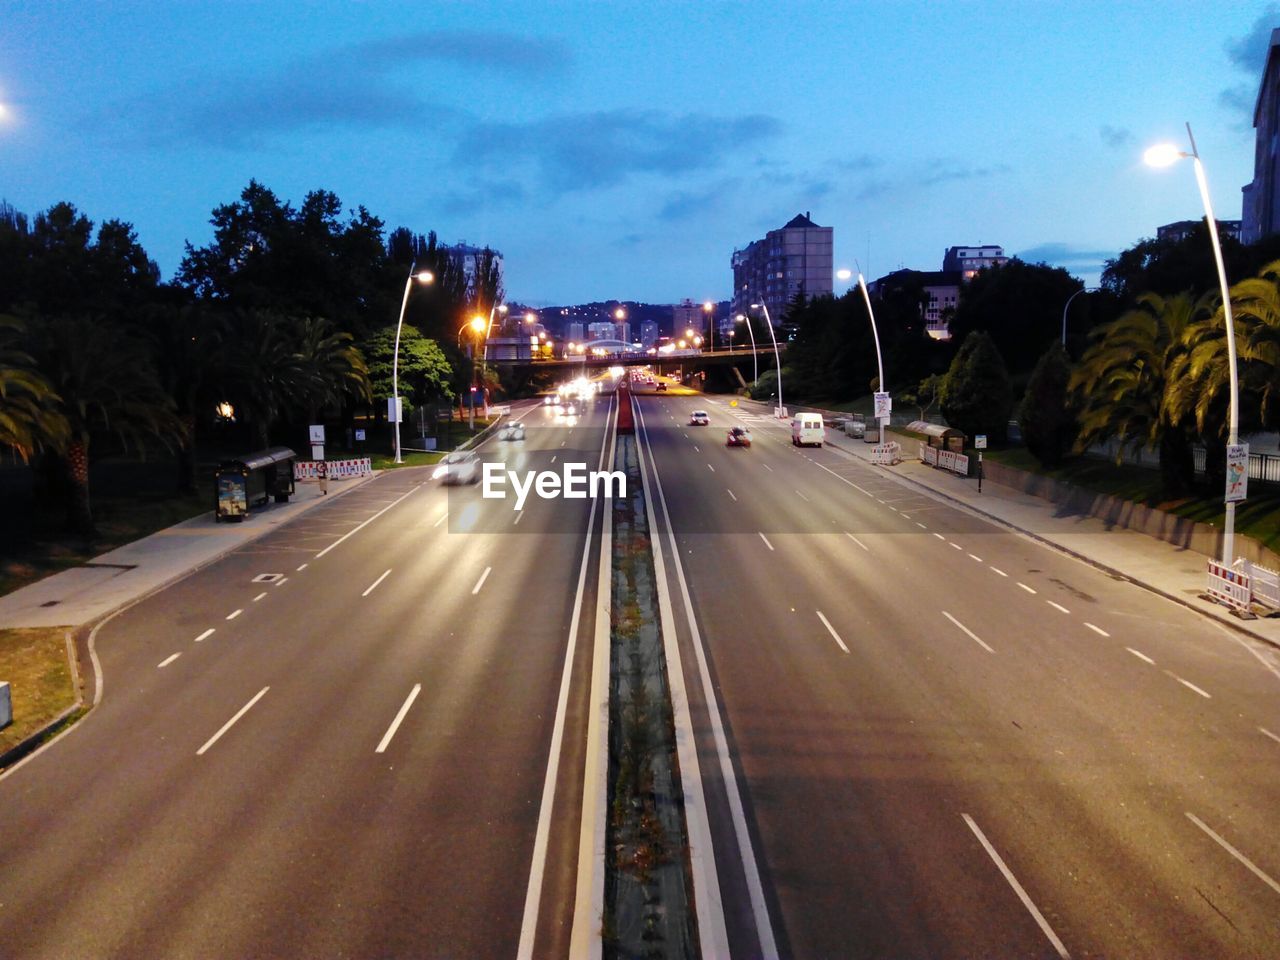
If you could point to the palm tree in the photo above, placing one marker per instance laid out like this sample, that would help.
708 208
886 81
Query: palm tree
334 368
1256 303
109 389
261 369
1122 384
29 418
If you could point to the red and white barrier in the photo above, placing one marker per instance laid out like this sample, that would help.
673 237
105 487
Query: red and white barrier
336 469
1229 587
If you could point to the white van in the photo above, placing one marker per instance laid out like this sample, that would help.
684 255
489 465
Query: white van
806 428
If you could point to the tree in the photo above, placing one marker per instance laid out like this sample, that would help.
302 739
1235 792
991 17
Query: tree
926 393
978 397
1019 305
29 418
423 366
332 368
1045 416
1121 384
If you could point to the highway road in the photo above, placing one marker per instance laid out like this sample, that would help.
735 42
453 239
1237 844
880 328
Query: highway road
331 743
943 739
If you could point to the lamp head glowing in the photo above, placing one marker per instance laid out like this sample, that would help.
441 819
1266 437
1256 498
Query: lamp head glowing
478 324
844 274
1162 155
425 276
708 306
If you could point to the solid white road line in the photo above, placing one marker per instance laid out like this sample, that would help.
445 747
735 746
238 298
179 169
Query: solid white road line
537 867
353 532
999 571
302 567
1268 733
168 660
235 613
441 519
480 583
1017 888
1191 686
1025 587
857 541
1140 655
766 541
1234 852
972 636
375 583
259 596
730 492
1097 630
711 924
206 635
1057 606
395 724
227 726
831 630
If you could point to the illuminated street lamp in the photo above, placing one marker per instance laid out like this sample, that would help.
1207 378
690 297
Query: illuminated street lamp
424 277
845 273
1064 311
708 308
776 356
1163 155
755 359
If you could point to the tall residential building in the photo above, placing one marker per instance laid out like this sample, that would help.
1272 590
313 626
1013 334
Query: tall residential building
969 260
795 258
1261 198
940 290
648 333
687 315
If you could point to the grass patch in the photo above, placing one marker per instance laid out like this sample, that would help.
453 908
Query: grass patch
34 662
1257 517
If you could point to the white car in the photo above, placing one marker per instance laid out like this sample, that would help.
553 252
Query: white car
511 431
699 418
461 466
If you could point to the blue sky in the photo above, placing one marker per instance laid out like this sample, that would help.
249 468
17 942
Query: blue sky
623 150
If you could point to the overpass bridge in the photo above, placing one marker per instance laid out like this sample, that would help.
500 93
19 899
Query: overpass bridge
614 356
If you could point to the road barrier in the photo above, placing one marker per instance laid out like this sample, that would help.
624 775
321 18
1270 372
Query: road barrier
945 459
337 469
1230 587
1264 583
887 454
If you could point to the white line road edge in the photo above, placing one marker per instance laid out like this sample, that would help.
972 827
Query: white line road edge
972 636
356 530
1255 870
1017 888
375 583
831 630
480 583
733 791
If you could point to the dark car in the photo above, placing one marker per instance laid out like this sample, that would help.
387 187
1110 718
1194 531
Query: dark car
738 437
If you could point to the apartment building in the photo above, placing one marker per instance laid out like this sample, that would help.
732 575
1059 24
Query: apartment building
1260 211
967 261
795 258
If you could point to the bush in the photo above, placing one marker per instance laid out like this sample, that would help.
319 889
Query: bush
977 397
1045 415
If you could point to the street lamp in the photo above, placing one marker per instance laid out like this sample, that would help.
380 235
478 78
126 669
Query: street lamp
424 277
875 335
1163 155
755 359
778 411
708 308
1064 311
478 327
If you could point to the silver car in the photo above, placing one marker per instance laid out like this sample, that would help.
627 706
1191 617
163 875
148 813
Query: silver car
461 466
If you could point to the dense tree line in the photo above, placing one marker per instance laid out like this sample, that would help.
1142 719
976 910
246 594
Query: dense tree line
288 314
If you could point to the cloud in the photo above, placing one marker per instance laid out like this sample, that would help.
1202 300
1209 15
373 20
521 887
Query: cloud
947 170
580 151
1116 137
1249 54
1064 255
482 195
349 87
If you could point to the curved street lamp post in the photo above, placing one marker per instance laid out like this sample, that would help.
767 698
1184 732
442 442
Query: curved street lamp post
424 277
1163 155
779 409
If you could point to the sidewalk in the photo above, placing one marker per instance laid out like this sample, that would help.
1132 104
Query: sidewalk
82 594
1171 571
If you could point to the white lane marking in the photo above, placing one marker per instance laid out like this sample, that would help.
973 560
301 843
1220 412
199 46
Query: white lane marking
803 497
999 571
204 636
555 458
730 492
537 866
695 449
941 537
1234 852
1191 686
227 726
711 468
857 541
956 545
1057 606
878 500
686 436
1017 888
972 636
1025 587
259 596
906 516
893 508
441 519
235 613
518 518
1268 733
921 525
376 582
766 541
395 724
767 467
562 443
352 533
974 556
282 581
302 567
1140 655
1097 630
831 630
168 660
480 583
